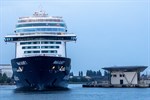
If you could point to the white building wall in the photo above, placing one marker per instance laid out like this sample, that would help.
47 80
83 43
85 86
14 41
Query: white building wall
5 68
129 77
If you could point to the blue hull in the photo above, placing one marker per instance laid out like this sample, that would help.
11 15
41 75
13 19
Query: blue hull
41 72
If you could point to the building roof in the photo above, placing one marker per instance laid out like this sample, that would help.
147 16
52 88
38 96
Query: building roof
5 65
126 68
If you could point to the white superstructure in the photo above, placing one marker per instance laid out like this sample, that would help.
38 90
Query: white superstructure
42 35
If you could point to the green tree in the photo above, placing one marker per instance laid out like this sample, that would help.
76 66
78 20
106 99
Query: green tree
4 77
71 74
81 73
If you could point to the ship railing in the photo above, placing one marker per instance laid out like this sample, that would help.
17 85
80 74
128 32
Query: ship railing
52 55
60 33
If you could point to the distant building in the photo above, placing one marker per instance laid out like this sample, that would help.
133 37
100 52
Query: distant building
124 75
6 68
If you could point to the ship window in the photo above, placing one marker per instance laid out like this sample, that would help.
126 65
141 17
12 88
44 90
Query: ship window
49 46
48 42
52 47
36 51
36 47
24 43
58 42
30 47
40 29
36 42
44 42
27 51
53 52
46 38
31 52
49 51
41 20
44 46
51 42
44 51
57 46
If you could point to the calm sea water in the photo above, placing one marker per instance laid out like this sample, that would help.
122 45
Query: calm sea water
76 92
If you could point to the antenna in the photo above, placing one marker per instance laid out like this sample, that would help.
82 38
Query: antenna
40 8
40 12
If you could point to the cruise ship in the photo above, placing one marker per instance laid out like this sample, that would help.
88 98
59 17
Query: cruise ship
41 61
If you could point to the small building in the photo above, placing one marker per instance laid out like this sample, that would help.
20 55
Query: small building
124 75
7 69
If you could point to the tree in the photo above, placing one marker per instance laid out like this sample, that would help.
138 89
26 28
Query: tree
71 74
4 78
81 73
99 73
9 80
94 73
107 74
87 73
1 77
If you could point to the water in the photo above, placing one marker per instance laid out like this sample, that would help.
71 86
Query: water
76 92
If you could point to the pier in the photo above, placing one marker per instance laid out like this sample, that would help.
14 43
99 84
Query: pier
116 86
122 77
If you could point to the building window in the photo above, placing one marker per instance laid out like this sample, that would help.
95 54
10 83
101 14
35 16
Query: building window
121 75
114 75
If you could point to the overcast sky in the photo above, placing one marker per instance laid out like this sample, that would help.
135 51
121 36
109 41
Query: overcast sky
109 32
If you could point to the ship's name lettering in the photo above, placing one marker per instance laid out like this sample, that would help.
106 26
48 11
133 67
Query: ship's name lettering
22 63
58 62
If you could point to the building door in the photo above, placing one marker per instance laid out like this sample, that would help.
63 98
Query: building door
121 81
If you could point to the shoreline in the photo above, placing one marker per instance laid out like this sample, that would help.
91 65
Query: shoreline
6 84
